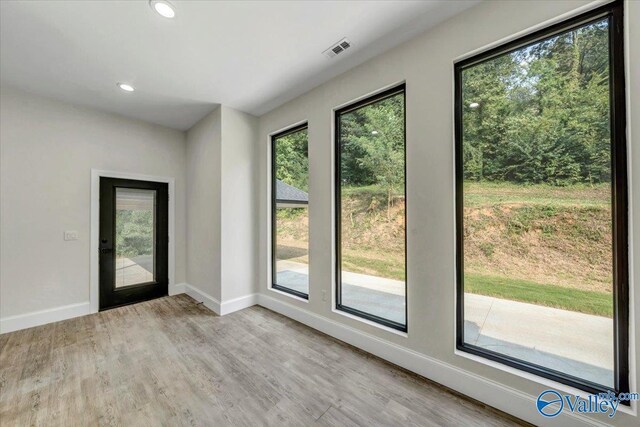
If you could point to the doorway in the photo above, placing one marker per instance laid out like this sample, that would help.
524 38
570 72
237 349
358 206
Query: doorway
133 241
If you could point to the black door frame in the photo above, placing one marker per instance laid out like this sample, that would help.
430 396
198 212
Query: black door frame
109 297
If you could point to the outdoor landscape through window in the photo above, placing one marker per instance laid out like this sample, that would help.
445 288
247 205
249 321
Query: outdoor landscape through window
291 228
537 204
371 189
135 236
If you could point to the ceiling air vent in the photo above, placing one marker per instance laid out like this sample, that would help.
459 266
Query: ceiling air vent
337 48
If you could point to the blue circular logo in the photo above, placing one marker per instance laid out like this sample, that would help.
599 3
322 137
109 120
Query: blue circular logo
546 401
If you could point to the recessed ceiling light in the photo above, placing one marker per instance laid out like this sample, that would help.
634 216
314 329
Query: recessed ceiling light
474 105
163 7
125 87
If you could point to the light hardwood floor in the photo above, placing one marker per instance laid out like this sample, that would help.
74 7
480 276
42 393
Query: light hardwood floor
172 361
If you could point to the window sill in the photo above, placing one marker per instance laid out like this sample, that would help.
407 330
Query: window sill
630 410
287 294
371 323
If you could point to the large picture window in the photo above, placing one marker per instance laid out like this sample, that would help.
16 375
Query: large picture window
542 203
370 209
290 214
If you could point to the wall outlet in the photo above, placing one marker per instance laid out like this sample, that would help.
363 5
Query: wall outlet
71 235
324 295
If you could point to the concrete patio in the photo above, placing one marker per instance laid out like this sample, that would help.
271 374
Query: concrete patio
134 270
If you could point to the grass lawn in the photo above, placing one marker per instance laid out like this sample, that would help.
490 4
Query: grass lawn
538 244
494 193
368 190
590 302
391 267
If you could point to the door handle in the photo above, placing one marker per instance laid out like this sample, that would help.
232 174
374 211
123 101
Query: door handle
105 250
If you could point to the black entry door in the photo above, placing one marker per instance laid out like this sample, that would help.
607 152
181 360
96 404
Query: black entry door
134 241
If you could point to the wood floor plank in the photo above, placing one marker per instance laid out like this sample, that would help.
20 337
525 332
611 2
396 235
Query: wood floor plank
334 418
172 361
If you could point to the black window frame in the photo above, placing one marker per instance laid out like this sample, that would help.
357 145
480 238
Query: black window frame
619 192
388 93
274 207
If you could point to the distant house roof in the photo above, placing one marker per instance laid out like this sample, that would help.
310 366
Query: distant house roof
289 194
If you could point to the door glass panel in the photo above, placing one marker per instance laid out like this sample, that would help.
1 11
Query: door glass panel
135 236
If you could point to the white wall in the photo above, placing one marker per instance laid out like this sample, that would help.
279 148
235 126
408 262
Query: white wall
203 204
239 204
47 151
222 245
426 64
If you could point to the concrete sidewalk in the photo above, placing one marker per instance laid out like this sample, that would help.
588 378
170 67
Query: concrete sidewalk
558 339
562 340
375 295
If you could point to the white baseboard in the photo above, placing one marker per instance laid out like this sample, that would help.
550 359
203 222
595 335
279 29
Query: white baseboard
492 393
37 318
220 308
238 304
177 288
210 302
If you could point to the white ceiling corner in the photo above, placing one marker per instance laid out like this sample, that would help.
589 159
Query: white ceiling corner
249 55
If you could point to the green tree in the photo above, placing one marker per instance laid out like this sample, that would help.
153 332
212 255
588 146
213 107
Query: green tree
375 138
292 159
541 113
134 233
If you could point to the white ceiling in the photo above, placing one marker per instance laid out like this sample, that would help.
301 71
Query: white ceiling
249 55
